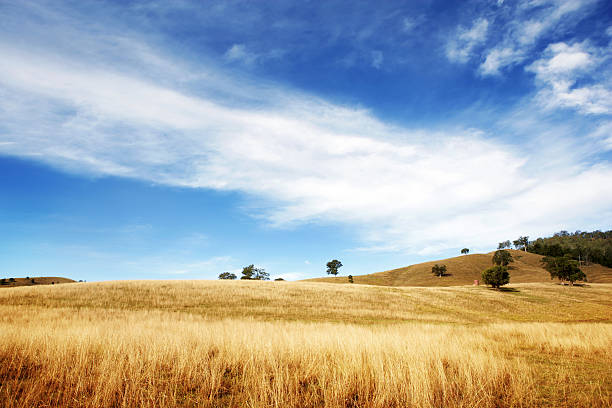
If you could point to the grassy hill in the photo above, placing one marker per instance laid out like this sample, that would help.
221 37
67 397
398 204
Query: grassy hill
463 270
38 280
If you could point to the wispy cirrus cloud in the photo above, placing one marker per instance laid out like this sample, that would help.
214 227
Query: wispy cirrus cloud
529 22
461 45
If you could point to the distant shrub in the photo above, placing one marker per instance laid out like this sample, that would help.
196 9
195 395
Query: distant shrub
3 281
350 278
227 276
279 279
11 279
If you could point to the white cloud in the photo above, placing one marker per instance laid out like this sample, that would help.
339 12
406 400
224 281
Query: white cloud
459 48
558 71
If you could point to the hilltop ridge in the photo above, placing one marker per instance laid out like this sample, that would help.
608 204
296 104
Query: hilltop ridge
464 269
37 280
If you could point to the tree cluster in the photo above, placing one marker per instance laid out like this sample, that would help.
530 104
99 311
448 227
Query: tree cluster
563 268
581 246
248 273
252 273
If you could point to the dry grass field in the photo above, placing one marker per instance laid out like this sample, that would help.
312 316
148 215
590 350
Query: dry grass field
284 344
463 270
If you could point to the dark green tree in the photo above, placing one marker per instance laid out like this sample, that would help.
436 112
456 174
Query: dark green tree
563 268
350 278
333 266
279 279
465 251
438 270
501 257
227 275
505 244
496 276
252 273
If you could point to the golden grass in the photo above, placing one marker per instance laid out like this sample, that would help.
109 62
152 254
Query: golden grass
282 344
463 270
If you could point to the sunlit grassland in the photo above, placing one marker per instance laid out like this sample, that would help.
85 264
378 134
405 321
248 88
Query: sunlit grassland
277 344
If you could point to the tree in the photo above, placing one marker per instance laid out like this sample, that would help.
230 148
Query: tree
501 257
333 266
465 251
227 275
505 244
521 242
564 268
278 279
496 276
252 273
350 278
438 270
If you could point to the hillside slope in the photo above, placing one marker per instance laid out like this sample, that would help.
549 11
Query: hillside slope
38 280
463 270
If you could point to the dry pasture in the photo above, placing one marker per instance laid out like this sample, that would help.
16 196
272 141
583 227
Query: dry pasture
284 344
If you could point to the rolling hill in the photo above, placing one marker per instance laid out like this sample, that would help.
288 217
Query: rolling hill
38 280
463 270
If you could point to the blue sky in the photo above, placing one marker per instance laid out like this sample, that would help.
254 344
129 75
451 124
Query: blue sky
155 140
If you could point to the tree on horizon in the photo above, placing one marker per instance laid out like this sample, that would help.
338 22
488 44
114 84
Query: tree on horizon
333 266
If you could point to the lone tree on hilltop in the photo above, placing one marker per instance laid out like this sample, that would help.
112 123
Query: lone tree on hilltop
438 270
333 266
465 251
252 273
564 268
496 276
501 257
505 244
227 275
521 242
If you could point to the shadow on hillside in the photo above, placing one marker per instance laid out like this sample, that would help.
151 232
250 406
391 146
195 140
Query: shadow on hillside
581 285
508 290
